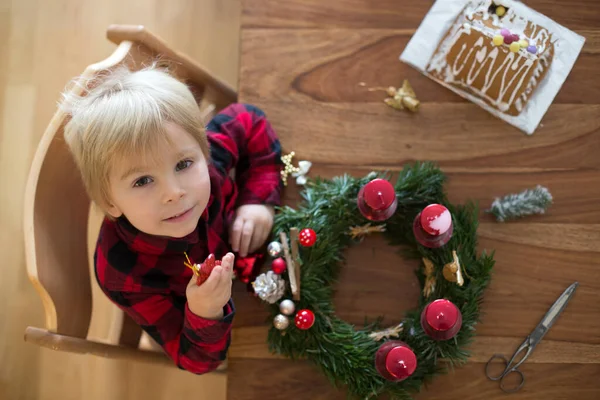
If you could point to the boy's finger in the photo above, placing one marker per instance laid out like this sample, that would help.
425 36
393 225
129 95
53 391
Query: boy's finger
227 261
247 232
213 280
236 233
257 238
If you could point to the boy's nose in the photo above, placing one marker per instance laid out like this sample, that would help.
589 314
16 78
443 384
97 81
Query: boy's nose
173 192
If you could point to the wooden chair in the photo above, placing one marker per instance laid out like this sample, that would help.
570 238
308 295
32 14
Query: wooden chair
57 209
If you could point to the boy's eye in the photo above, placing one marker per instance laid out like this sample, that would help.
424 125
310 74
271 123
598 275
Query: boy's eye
143 181
183 164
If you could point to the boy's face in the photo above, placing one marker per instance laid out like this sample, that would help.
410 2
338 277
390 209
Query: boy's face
168 196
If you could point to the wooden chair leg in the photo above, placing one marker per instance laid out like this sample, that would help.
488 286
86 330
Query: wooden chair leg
55 341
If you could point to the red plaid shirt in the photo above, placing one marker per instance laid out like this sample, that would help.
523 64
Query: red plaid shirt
145 275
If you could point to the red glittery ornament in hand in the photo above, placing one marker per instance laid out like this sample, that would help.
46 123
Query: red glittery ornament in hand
307 237
305 319
206 268
278 266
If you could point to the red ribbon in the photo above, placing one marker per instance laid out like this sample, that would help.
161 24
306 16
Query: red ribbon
247 268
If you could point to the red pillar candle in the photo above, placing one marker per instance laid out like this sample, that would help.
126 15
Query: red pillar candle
377 200
432 227
395 361
441 319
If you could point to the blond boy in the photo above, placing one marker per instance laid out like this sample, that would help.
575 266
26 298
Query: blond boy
164 183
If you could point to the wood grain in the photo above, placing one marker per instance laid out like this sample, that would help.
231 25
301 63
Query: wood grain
453 134
301 380
310 66
328 65
387 14
251 343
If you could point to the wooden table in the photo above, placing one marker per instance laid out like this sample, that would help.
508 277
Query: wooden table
302 61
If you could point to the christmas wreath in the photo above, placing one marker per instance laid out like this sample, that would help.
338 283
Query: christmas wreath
414 215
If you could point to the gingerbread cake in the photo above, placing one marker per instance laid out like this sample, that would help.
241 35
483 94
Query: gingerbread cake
493 54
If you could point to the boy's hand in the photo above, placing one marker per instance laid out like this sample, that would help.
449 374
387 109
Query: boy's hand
207 300
251 228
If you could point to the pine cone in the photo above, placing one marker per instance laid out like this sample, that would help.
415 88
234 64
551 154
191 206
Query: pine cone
269 287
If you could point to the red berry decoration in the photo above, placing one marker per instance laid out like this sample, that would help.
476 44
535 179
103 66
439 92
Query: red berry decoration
307 237
278 266
206 268
305 319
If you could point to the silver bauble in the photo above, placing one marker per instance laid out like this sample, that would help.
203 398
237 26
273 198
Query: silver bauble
274 249
287 307
281 322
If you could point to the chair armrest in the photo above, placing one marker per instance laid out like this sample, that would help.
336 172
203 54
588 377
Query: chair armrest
54 341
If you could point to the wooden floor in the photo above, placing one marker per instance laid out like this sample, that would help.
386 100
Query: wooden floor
43 44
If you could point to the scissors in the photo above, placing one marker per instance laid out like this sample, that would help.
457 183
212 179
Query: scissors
511 366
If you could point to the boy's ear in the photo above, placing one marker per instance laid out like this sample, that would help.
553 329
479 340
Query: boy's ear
114 211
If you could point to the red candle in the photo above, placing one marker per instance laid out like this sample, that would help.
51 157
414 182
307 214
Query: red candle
432 227
441 319
395 361
377 200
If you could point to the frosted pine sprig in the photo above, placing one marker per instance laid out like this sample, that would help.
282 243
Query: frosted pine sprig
528 202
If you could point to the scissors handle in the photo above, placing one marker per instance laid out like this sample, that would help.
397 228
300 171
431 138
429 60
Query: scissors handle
508 370
515 388
504 372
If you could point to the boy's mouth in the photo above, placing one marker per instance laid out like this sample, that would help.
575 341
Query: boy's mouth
180 216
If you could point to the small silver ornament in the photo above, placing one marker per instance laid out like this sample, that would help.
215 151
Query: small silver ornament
287 307
274 249
281 322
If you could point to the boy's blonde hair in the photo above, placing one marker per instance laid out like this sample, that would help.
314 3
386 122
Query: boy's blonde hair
124 116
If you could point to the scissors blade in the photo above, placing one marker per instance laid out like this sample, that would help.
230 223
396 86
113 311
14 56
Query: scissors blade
552 315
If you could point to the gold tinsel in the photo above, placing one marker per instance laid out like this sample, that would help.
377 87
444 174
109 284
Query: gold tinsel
364 230
452 271
429 286
289 167
194 267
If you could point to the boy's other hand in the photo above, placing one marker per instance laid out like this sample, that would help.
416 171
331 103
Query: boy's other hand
251 227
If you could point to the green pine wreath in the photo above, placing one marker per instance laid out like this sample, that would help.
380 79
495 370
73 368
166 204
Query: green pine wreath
346 353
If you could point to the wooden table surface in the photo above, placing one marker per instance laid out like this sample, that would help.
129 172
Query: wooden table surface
303 61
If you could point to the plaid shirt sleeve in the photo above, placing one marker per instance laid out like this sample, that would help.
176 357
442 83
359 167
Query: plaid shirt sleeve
241 137
195 344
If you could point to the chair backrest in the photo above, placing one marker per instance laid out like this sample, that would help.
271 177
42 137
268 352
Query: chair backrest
56 204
